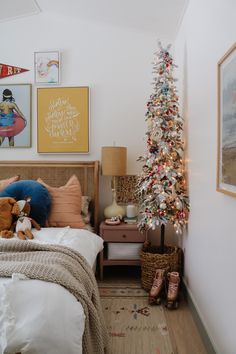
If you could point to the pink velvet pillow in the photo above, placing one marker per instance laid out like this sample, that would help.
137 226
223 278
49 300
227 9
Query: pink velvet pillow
5 182
66 204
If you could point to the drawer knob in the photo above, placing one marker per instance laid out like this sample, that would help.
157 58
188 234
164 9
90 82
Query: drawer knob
124 236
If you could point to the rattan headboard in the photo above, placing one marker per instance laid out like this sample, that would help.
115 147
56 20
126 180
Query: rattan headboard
57 173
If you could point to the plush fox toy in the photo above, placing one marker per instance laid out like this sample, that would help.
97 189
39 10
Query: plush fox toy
24 223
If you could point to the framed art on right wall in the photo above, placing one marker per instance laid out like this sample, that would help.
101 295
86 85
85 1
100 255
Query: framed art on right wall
226 164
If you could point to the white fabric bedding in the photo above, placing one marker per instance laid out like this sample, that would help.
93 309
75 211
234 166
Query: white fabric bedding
38 317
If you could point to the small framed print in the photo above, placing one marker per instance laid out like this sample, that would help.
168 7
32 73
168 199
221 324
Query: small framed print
226 169
15 116
47 67
63 119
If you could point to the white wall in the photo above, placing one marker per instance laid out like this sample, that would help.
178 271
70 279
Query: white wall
115 63
207 32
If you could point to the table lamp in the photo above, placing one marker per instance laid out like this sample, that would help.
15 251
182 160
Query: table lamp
114 160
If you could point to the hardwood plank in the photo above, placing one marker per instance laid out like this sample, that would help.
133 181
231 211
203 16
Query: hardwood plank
183 330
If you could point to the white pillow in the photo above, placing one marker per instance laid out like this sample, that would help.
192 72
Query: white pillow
81 240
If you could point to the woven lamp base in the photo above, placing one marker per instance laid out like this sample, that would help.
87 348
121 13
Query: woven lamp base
151 259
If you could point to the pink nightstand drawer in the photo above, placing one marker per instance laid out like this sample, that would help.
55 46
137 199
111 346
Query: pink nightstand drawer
123 236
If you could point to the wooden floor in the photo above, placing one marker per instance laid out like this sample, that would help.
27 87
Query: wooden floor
183 330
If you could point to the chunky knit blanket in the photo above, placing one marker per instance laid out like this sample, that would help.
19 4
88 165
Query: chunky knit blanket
64 266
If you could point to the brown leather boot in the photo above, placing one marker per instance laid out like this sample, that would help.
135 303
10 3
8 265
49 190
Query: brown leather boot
157 287
173 290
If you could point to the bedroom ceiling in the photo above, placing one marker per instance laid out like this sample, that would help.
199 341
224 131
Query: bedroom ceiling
12 9
160 17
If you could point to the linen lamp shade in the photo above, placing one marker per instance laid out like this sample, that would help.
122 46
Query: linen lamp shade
114 160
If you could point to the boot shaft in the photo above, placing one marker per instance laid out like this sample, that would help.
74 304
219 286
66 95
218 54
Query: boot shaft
157 285
173 286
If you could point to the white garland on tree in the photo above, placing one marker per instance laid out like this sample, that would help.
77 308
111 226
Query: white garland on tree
161 185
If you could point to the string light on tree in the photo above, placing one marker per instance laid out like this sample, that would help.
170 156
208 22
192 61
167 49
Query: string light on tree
161 186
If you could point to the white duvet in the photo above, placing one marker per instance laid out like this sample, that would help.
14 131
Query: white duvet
38 317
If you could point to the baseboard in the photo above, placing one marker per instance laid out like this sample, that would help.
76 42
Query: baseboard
200 326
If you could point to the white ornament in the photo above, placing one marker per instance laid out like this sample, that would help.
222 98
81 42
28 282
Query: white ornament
178 204
163 205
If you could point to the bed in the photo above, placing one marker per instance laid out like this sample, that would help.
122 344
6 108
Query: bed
37 312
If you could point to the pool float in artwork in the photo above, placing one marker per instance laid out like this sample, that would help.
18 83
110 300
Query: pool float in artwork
15 129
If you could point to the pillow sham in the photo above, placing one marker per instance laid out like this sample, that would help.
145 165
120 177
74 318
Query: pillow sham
5 182
66 204
40 198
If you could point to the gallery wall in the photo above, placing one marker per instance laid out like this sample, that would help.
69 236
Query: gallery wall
207 32
115 63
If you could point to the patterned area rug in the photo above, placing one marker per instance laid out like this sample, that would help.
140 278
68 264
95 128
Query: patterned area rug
122 291
134 326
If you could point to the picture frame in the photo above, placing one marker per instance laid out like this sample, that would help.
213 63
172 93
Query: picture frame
47 67
226 156
63 119
15 115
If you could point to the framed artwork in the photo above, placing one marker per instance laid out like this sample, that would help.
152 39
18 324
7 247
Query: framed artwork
47 67
15 116
226 165
63 119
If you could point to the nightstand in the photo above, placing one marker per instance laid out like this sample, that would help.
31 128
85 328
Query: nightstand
119 235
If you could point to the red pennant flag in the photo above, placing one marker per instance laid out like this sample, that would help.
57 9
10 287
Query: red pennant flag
9 70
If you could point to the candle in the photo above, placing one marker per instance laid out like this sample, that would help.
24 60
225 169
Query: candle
131 211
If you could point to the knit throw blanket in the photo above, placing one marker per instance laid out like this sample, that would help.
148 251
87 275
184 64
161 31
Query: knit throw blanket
64 266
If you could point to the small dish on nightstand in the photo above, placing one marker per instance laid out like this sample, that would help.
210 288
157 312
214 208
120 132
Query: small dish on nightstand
113 221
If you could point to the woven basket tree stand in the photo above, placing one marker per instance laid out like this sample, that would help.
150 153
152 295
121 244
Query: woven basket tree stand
159 257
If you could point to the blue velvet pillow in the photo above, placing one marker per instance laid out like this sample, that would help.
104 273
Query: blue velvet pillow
40 198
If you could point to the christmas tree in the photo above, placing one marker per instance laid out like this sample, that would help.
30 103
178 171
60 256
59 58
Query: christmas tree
161 185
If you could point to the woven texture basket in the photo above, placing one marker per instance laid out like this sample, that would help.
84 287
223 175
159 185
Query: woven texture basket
151 259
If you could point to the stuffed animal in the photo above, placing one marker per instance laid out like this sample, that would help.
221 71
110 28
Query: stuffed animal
24 223
8 208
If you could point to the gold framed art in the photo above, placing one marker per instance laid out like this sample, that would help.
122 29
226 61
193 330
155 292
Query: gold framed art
15 115
63 119
226 164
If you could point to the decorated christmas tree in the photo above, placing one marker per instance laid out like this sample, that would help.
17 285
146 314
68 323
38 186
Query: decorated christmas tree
161 185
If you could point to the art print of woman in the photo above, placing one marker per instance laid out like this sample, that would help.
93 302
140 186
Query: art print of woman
13 122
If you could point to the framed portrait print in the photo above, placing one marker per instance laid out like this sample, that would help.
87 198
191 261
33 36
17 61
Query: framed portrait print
226 164
63 119
15 116
47 67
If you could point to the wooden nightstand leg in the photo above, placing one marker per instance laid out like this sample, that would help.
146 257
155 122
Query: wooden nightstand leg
101 265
